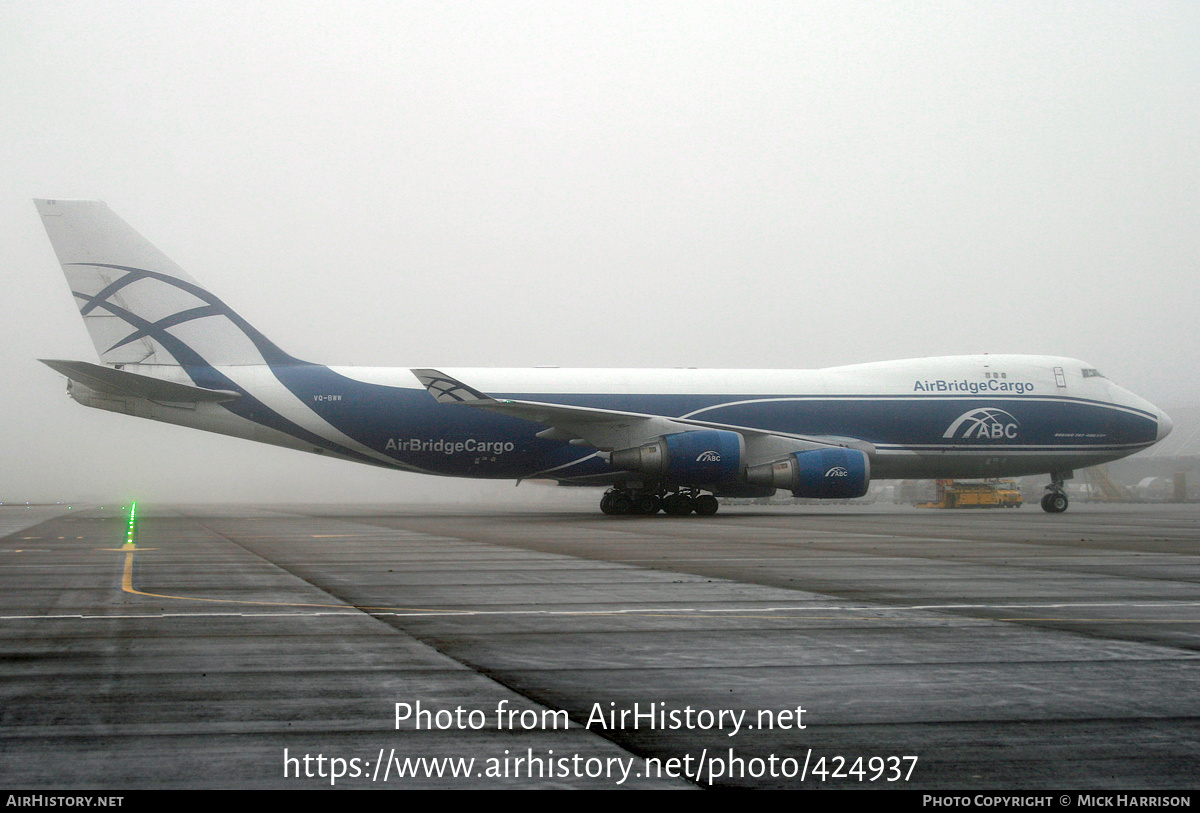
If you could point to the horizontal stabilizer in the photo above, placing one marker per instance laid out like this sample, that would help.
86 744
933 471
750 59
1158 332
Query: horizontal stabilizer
135 385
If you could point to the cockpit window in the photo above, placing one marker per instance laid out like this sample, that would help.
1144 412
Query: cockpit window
1092 373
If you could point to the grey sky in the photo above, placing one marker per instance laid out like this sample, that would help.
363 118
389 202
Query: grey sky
604 184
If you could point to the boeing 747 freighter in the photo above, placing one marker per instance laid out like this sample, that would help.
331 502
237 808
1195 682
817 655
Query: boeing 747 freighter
660 440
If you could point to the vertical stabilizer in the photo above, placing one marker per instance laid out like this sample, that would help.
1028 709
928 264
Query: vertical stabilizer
138 305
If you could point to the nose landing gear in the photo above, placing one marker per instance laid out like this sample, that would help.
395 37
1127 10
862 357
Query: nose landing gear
1055 500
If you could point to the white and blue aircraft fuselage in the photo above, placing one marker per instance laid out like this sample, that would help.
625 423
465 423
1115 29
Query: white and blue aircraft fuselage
660 439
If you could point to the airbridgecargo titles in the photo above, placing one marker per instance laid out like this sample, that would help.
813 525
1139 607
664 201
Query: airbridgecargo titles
974 387
670 440
470 446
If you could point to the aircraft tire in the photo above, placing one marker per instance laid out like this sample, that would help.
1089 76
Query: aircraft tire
677 505
618 504
1054 503
706 505
646 505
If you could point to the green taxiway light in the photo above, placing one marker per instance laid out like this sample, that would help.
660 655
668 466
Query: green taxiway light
132 523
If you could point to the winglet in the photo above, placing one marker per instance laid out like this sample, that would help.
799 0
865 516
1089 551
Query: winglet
447 390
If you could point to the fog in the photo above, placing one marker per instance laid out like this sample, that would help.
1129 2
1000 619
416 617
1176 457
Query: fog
612 185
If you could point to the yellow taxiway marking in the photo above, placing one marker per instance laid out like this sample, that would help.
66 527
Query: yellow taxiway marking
127 586
772 613
783 613
755 612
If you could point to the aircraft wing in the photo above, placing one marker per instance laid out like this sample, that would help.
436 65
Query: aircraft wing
135 385
605 429
609 429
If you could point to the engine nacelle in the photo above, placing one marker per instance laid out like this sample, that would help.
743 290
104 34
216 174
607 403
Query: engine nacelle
701 458
834 473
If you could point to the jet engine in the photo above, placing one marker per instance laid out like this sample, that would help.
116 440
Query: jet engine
703 457
831 473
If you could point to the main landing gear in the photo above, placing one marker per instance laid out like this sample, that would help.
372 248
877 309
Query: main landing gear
680 503
1055 500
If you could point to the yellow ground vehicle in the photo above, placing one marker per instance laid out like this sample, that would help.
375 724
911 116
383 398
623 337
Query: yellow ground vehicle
991 494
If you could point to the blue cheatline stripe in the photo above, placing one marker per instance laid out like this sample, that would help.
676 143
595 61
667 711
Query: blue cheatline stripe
1009 450
1011 399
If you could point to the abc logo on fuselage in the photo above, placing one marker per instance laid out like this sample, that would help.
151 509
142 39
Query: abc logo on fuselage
985 423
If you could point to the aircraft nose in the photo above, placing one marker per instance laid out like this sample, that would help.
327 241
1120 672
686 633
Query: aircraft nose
1165 425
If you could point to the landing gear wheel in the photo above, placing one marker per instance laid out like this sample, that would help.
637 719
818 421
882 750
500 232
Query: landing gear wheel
677 505
646 505
1054 503
1055 499
706 505
616 503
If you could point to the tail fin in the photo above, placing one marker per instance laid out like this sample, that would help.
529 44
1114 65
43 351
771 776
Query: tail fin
138 305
